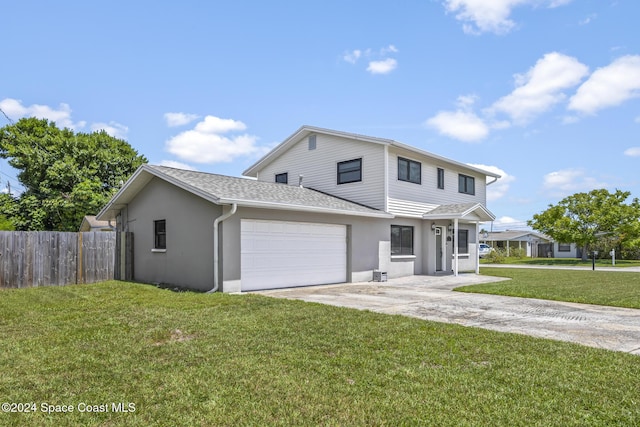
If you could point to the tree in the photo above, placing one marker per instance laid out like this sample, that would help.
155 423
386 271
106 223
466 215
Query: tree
588 218
66 175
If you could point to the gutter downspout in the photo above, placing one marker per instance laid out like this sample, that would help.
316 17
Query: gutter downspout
491 182
216 257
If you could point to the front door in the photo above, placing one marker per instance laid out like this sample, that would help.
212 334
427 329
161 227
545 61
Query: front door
439 249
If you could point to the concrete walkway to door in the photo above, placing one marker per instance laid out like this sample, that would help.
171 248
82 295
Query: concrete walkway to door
432 298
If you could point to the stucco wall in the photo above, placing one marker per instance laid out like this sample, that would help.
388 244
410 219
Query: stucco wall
188 260
365 236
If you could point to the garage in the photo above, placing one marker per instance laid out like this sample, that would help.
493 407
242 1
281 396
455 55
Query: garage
281 254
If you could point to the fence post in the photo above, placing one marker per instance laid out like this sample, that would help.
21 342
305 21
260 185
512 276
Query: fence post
79 260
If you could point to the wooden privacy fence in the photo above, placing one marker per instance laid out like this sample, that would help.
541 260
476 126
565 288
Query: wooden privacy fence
41 258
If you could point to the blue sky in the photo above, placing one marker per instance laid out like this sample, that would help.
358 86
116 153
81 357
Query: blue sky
544 92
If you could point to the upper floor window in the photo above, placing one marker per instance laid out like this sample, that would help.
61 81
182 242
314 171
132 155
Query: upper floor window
160 234
312 142
350 171
409 170
441 178
282 178
466 184
401 240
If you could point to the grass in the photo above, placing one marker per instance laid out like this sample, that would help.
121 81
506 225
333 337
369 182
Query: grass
236 360
619 289
568 262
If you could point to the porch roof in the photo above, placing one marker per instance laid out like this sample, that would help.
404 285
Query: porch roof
464 211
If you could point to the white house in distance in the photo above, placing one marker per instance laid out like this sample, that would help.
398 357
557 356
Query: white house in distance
536 244
324 206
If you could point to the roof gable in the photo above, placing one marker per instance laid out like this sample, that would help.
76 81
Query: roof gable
306 130
221 189
471 211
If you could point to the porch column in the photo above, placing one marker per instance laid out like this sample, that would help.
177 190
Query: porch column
455 246
477 247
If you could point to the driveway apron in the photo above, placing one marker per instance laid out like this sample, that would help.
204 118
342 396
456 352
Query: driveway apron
433 298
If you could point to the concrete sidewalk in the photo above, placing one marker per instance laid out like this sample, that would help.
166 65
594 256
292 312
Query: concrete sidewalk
432 298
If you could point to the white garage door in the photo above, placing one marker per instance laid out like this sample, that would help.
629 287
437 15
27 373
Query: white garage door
279 254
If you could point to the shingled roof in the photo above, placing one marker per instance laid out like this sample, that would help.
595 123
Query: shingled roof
222 189
461 211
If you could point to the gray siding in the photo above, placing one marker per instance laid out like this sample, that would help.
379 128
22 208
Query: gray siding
427 195
188 260
319 168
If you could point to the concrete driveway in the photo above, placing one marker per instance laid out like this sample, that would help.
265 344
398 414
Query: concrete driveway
432 298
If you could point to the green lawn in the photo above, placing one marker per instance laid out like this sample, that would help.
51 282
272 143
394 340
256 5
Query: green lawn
572 262
235 360
620 289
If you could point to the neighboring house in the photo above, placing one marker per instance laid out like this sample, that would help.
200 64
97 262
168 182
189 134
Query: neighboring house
566 250
536 244
90 223
325 207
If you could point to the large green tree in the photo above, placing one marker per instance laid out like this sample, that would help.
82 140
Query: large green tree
592 220
66 175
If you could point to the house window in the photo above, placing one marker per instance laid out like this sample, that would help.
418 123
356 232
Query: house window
282 178
350 171
463 241
312 142
466 184
160 234
563 247
401 240
441 178
409 170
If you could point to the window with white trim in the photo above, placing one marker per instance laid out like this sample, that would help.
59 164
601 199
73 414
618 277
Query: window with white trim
282 178
564 247
160 234
463 241
401 240
409 170
466 184
350 171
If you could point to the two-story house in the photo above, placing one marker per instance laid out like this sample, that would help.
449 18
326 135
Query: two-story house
325 207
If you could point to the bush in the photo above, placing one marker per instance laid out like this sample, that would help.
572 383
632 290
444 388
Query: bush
496 256
518 253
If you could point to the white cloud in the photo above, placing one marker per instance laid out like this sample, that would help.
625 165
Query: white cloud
588 19
61 116
466 101
637 119
206 143
507 223
632 152
379 61
177 165
609 86
541 87
114 129
499 188
462 125
389 49
382 67
481 16
179 119
212 124
353 56
569 181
